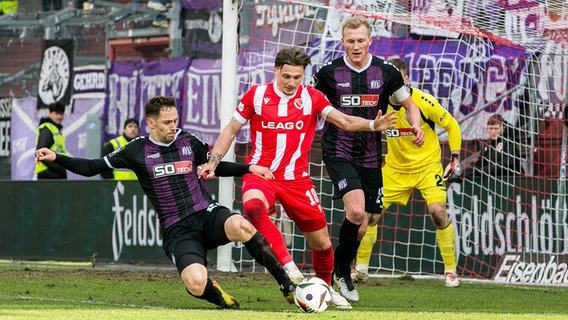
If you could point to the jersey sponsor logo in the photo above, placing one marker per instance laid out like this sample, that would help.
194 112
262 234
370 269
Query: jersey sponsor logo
277 125
153 156
398 132
241 106
344 84
266 100
359 100
172 168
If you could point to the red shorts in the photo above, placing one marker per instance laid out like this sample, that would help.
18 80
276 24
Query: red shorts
299 199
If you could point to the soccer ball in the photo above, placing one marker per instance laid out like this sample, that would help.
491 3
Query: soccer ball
312 295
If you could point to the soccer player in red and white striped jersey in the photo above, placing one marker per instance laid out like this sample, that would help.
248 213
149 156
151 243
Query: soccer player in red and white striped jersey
283 116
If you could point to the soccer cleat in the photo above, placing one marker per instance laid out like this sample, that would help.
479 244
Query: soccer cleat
157 5
359 276
337 301
229 302
288 291
452 280
347 289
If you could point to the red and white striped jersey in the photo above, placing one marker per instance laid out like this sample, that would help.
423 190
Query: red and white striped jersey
282 127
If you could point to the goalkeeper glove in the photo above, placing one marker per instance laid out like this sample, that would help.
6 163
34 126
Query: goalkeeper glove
453 170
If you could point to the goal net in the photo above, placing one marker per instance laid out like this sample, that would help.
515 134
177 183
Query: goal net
478 58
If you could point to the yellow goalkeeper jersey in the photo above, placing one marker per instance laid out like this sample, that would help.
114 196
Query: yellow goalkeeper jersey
403 155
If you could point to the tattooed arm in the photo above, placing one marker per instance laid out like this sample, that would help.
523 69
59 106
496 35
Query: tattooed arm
222 145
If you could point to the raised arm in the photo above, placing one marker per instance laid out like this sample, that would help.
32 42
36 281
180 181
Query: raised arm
221 147
354 124
84 167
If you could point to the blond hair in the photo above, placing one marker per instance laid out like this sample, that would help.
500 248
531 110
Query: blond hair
354 23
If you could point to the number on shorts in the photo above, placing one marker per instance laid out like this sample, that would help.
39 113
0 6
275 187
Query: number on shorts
439 181
313 196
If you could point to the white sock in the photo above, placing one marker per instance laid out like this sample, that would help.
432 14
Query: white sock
290 266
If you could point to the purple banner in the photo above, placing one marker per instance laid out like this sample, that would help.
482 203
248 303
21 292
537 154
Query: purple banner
25 121
277 24
471 80
201 4
130 85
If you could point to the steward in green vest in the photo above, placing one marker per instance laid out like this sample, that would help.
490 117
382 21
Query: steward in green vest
131 128
49 136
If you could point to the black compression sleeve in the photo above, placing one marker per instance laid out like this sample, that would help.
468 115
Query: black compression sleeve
231 169
84 167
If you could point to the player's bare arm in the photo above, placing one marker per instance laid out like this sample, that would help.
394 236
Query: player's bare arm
220 148
354 124
413 117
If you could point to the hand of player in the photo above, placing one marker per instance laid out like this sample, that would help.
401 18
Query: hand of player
261 171
44 154
206 171
418 136
453 171
385 122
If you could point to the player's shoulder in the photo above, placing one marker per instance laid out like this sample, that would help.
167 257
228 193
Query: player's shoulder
331 64
192 137
427 98
137 140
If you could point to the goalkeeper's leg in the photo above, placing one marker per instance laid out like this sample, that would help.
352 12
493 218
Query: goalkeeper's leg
361 271
446 237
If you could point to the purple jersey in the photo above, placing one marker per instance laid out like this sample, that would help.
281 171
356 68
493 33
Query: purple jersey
359 93
167 174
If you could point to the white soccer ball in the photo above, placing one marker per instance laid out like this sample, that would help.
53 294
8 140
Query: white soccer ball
312 295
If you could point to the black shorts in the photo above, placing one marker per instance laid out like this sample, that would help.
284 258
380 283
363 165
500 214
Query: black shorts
196 234
346 177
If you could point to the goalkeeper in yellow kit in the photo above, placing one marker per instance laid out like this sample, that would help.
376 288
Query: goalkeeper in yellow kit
408 167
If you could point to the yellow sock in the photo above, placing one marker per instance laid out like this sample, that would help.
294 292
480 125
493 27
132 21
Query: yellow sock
446 243
366 246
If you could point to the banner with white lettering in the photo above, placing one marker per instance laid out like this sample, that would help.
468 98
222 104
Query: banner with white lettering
458 75
437 12
278 24
132 83
532 268
25 121
89 81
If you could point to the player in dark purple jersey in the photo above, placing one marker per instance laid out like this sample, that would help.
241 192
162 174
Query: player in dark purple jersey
358 84
191 222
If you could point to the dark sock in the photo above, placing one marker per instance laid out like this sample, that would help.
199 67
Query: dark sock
260 250
210 294
346 250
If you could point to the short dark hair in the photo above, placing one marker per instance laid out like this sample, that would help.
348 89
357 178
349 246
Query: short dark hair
57 107
154 105
293 56
131 120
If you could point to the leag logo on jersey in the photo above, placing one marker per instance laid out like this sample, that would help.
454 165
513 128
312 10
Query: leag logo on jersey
359 100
